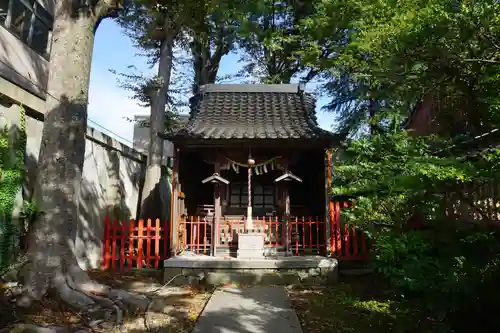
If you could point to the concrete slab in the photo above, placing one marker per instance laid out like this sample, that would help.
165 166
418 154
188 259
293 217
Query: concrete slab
249 310
307 270
264 263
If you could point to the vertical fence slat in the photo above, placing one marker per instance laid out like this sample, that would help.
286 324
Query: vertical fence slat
140 239
105 245
297 236
114 236
148 244
157 239
347 238
338 244
123 230
197 240
318 240
190 239
131 240
277 238
310 234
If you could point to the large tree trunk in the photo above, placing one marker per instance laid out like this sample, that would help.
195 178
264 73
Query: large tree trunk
205 63
52 263
151 203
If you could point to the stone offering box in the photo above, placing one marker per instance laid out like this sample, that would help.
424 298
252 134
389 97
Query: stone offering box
250 246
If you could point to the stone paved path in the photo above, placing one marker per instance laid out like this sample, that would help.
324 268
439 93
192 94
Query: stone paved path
259 309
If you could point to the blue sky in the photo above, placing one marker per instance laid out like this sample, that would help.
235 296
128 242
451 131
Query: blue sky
109 104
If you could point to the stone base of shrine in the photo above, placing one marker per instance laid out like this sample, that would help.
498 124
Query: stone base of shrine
214 271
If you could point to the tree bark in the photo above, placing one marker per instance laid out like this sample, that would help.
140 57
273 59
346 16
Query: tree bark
205 63
52 263
150 192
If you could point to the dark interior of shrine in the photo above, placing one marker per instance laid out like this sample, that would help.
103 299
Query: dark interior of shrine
307 198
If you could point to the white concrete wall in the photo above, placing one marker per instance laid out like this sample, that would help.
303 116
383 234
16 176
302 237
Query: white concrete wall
110 184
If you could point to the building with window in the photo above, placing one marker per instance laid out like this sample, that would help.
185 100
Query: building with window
25 40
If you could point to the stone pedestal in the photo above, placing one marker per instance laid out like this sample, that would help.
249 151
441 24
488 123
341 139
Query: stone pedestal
250 246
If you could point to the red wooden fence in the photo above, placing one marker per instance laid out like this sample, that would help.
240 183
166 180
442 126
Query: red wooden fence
347 242
305 235
144 244
128 245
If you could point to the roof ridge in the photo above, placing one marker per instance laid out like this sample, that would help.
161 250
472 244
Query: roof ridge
291 88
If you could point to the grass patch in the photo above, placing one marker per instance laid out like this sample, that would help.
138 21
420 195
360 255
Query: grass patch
357 305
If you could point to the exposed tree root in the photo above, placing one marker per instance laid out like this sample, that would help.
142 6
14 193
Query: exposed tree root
89 298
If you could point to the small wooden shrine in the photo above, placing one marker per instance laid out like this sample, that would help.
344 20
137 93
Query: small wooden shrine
250 156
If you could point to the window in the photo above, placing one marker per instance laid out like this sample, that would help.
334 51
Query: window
4 9
29 21
20 20
262 195
42 32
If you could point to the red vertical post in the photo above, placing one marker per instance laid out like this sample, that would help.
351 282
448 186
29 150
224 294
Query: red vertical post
318 242
310 233
276 226
123 230
157 242
198 232
283 227
131 240
331 241
338 236
203 235
140 240
191 236
148 243
114 232
303 233
105 245
297 236
329 215
347 241
173 219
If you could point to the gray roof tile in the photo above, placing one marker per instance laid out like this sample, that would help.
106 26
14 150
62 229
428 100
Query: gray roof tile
241 111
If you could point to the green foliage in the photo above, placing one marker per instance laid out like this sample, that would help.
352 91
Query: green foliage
383 57
396 177
12 152
268 35
393 173
30 212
